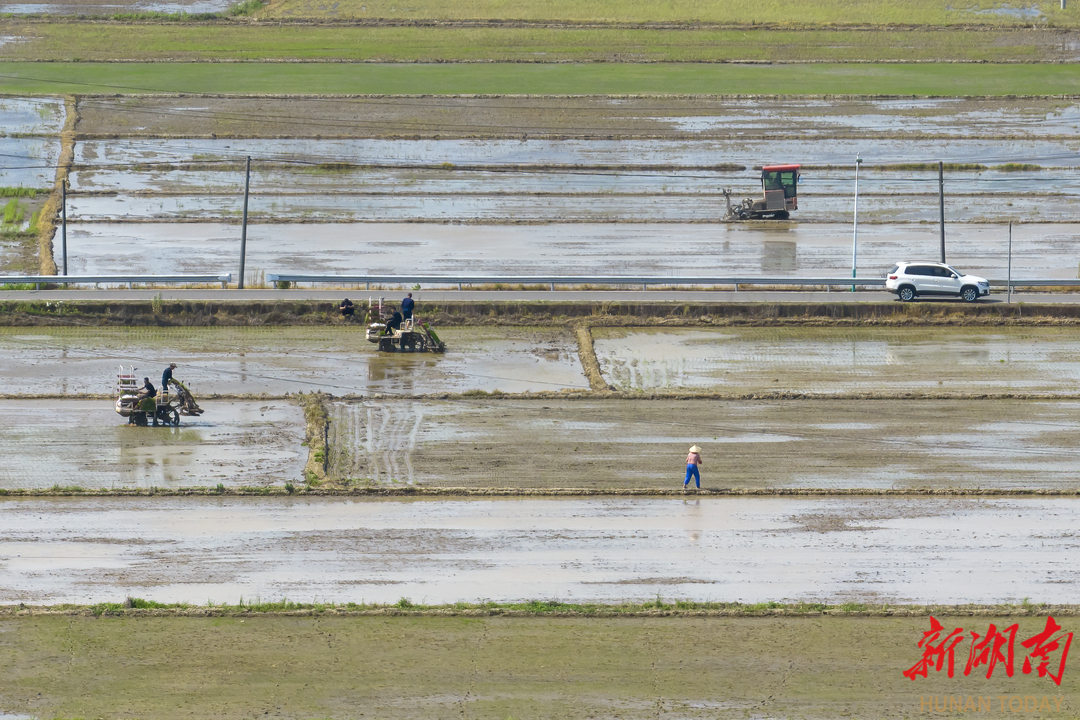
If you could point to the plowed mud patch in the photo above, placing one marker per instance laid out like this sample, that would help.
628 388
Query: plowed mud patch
836 360
497 668
620 444
575 117
83 443
278 360
194 550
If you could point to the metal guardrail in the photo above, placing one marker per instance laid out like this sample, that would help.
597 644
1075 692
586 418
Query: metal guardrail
1037 282
553 280
130 280
461 280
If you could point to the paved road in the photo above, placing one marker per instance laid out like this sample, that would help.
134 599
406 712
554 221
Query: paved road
716 296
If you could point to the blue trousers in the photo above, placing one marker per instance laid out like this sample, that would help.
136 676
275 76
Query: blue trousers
692 471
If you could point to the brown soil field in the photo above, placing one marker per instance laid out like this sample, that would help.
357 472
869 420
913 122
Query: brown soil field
479 116
541 314
499 668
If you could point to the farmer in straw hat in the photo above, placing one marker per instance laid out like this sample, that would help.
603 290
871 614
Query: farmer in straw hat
692 462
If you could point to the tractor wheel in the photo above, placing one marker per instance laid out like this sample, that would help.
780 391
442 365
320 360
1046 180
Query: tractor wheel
408 343
140 418
782 215
172 417
386 345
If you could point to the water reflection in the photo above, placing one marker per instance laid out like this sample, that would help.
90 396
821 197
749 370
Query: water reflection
149 457
779 256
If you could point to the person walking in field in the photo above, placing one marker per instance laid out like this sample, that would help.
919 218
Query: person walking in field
693 459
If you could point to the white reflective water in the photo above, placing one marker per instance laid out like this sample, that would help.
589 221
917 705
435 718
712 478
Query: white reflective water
750 550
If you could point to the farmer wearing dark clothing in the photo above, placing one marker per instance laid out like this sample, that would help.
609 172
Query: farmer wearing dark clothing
166 377
407 306
394 322
346 308
147 390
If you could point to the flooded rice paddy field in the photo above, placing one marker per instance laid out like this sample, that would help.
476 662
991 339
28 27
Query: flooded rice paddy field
592 186
901 444
582 185
406 431
608 249
84 443
278 360
507 181
195 550
824 360
115 7
522 117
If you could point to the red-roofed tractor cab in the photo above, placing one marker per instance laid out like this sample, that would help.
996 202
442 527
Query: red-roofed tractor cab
780 186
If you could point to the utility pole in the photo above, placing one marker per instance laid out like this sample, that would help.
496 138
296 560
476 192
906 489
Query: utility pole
63 222
855 232
941 204
1009 281
243 229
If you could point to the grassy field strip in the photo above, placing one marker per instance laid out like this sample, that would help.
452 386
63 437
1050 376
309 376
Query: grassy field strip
67 42
21 78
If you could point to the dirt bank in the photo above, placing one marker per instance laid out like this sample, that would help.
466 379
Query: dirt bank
613 314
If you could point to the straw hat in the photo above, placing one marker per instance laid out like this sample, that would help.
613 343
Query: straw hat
695 448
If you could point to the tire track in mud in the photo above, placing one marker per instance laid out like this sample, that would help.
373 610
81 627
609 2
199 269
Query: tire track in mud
374 443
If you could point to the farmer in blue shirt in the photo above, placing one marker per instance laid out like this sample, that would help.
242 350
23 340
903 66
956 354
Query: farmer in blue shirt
407 307
166 377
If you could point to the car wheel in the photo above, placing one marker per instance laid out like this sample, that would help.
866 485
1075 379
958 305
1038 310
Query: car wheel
969 294
906 293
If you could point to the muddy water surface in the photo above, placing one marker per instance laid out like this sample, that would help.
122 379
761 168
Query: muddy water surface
750 550
275 360
84 443
697 153
832 360
113 8
675 250
614 445
584 117
647 202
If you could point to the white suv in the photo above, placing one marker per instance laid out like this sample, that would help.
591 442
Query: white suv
908 279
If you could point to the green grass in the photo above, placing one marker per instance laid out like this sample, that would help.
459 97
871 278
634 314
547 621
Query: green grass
556 607
951 167
20 192
200 42
508 78
14 212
